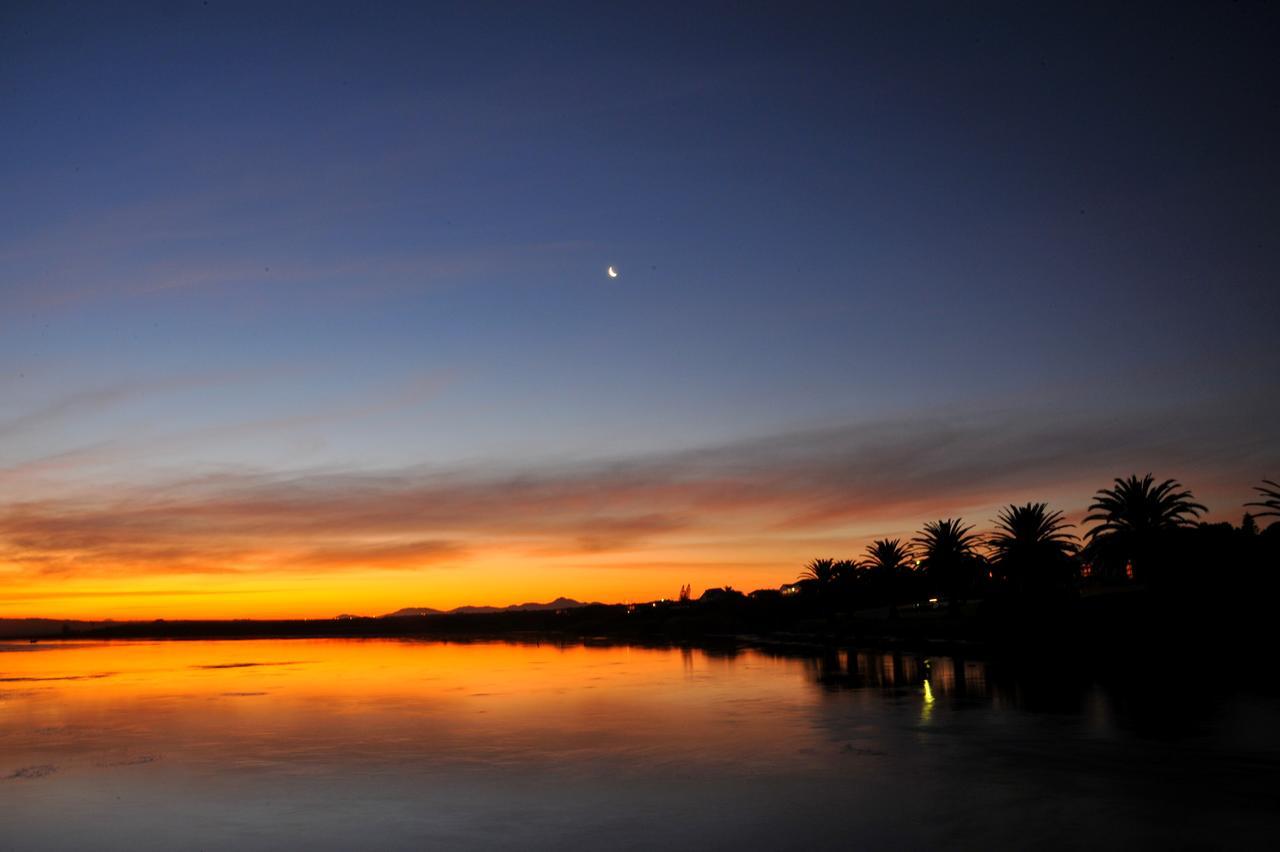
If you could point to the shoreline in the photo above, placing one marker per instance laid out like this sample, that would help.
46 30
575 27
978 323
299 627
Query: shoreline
1105 627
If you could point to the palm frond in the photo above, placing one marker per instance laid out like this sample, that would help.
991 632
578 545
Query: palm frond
822 571
1031 528
1270 501
1138 505
888 555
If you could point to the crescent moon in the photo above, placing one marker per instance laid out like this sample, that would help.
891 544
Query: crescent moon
613 273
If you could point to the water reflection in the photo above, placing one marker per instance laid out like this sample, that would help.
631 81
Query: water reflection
265 744
1131 695
896 670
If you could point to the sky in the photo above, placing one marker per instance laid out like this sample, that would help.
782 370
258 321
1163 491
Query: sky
304 307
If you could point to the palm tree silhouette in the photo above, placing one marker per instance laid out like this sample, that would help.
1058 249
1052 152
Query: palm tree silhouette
886 560
1135 514
1270 501
821 573
1031 546
847 574
948 556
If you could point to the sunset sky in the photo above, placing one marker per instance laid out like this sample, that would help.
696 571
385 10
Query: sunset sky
304 310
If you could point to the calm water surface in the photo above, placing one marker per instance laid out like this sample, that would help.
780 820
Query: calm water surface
283 744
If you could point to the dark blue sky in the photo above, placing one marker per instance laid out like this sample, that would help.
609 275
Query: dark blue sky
370 237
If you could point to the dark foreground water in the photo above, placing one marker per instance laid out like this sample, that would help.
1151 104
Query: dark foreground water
297 744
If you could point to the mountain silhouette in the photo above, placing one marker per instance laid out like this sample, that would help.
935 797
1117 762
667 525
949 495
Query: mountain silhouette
558 603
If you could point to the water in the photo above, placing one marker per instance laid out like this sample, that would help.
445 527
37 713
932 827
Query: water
286 744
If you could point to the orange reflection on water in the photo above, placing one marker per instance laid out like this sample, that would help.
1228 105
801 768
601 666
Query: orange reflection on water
291 704
339 744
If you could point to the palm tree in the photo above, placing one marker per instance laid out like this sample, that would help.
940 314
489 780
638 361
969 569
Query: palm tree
1136 514
948 557
847 580
886 560
821 573
1270 501
1031 546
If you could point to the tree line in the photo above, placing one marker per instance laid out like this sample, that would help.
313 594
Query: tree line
1142 534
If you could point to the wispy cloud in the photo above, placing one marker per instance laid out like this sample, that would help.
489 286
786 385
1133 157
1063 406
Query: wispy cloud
412 392
841 481
93 400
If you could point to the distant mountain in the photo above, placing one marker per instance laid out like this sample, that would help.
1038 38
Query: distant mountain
413 610
558 603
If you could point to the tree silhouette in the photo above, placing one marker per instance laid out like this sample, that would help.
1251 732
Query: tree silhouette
848 576
887 559
821 573
1270 501
1031 547
1136 514
948 556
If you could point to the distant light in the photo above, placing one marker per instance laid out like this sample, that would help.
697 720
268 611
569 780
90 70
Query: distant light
933 600
613 273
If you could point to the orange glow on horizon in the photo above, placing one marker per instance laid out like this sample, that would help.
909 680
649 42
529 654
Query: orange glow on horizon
499 580
329 549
